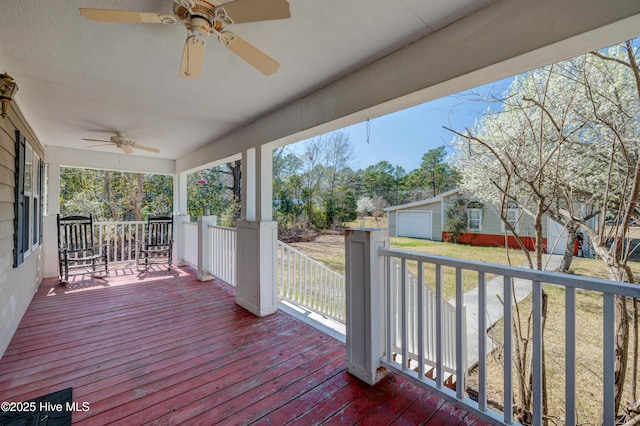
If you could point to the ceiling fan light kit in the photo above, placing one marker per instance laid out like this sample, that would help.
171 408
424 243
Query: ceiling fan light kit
203 18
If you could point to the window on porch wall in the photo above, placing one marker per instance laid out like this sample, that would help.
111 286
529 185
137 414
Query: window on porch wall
28 206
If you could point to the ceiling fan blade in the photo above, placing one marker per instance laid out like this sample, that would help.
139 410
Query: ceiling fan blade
112 15
126 149
146 148
95 140
241 11
254 56
102 144
192 57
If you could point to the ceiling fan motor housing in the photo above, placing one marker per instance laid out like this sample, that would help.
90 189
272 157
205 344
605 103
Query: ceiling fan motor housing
200 18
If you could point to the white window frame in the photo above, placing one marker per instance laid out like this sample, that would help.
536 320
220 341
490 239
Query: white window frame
28 197
34 211
514 221
32 196
479 219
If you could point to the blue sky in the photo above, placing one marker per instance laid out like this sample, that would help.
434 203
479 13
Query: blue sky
401 138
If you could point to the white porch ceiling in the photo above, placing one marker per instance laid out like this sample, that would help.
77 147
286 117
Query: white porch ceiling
340 62
83 79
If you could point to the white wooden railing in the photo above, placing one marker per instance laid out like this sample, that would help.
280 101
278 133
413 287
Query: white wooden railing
306 282
120 239
190 243
406 305
570 283
223 243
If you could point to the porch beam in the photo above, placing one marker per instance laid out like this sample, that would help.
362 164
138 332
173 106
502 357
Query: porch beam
69 157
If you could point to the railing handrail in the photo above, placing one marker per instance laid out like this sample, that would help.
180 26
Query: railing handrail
224 228
304 256
118 222
566 280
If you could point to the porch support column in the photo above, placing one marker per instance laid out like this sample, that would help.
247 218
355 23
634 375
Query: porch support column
365 303
180 193
50 226
257 287
179 216
178 238
204 268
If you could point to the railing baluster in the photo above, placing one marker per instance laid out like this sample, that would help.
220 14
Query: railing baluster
439 324
508 351
536 356
121 243
608 358
482 342
570 355
389 313
403 314
460 344
129 244
420 300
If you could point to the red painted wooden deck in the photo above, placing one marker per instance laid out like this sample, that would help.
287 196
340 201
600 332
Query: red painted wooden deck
164 348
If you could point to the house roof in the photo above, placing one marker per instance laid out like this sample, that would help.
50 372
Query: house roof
435 199
340 63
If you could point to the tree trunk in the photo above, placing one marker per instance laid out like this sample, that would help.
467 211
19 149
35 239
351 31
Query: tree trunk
137 200
567 258
109 196
235 170
621 347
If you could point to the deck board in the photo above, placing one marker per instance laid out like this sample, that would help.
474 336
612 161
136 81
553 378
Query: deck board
164 348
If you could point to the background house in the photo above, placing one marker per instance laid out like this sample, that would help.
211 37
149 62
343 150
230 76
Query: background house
428 219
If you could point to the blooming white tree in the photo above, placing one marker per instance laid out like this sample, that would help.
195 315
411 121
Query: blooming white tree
565 143
365 206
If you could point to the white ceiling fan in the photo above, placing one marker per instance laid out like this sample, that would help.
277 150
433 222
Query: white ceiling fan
203 18
121 141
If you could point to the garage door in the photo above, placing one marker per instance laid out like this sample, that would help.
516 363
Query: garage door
415 224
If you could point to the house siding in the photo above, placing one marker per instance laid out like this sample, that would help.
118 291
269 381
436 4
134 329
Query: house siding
17 285
492 233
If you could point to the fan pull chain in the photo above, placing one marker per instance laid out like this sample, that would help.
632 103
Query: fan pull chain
187 71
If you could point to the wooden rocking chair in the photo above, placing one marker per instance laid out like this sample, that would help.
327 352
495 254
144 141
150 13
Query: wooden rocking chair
157 247
76 247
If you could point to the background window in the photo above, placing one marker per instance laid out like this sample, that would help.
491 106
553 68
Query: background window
513 214
474 219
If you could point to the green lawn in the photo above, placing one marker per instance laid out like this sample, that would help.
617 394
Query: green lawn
329 250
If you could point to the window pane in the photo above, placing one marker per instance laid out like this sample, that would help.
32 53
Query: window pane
36 174
26 222
28 169
34 239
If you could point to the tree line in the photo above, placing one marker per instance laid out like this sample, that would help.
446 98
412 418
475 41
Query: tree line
317 187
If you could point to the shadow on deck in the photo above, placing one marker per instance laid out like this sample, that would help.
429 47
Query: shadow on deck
162 347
